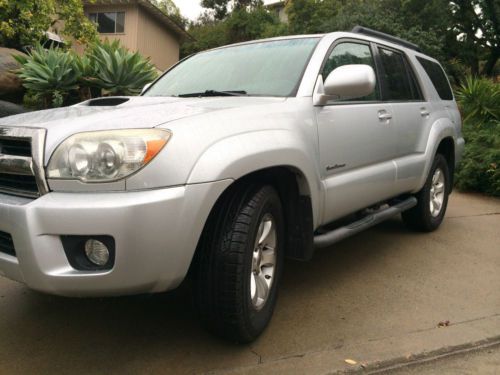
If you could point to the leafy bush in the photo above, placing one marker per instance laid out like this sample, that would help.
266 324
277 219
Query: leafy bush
119 71
479 100
49 74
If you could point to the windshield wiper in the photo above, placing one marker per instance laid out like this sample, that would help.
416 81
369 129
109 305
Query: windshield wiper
213 93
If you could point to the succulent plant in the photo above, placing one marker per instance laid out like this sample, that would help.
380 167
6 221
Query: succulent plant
49 73
120 71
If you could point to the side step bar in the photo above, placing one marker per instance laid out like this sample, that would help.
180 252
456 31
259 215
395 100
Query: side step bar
336 235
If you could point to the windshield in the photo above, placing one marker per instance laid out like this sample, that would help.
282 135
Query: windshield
272 68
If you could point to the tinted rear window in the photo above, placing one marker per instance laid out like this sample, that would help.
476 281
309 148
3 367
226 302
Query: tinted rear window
438 78
399 81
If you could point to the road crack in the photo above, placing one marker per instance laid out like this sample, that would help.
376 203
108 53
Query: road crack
257 355
478 215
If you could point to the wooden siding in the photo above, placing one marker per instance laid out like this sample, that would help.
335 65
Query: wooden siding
156 42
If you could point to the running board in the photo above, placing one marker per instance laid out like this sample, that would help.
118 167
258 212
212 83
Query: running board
336 235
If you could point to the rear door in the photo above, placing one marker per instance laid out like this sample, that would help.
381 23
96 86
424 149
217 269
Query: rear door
411 113
401 89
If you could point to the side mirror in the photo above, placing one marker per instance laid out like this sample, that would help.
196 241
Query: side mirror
146 86
347 82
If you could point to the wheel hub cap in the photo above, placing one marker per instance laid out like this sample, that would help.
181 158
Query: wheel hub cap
437 192
263 262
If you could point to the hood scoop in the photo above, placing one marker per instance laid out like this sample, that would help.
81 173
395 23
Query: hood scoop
107 102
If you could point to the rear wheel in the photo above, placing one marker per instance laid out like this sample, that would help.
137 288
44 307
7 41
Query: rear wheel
429 212
240 263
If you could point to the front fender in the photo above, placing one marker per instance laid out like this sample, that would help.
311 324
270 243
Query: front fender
239 155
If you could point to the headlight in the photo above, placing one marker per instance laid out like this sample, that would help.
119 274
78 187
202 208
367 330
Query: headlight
106 156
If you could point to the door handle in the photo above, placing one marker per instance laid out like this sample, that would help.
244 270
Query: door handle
383 116
424 112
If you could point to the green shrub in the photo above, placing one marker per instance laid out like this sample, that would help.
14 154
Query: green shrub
32 101
119 71
49 74
479 100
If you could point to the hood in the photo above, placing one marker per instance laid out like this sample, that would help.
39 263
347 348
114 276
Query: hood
123 113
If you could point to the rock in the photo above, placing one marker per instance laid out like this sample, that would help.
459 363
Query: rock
10 84
8 109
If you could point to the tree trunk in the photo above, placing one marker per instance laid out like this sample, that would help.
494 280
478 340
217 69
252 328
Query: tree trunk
85 93
491 62
474 67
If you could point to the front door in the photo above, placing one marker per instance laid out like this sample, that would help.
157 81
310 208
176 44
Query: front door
356 141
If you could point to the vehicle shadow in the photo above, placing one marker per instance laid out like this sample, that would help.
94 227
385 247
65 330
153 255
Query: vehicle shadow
159 333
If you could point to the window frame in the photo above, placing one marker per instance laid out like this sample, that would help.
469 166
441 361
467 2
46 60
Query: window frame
116 17
410 73
382 84
376 69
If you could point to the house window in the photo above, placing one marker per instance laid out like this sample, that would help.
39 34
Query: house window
109 22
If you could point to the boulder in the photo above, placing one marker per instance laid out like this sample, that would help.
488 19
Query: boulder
8 109
10 84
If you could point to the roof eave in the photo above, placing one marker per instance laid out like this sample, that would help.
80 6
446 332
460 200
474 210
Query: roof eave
154 11
165 19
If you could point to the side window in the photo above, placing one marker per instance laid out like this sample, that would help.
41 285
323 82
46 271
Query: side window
438 78
109 22
350 53
399 79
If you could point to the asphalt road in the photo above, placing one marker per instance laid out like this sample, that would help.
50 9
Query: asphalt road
374 298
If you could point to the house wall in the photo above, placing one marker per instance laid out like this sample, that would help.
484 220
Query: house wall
279 8
129 37
156 42
143 33
282 15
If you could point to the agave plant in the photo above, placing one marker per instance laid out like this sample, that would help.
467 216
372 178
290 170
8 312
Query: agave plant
49 73
119 71
479 99
87 78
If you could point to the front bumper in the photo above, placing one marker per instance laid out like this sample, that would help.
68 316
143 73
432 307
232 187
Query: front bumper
155 233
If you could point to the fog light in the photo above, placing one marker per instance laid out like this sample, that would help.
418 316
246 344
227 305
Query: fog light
97 252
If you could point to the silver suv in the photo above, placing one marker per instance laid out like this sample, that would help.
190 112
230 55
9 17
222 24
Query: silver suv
231 161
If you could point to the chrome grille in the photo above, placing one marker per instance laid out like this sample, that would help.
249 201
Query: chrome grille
15 147
21 162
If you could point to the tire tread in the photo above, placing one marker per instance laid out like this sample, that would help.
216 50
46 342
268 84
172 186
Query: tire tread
219 291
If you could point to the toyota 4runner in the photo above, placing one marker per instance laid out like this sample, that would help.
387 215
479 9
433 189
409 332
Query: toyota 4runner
231 161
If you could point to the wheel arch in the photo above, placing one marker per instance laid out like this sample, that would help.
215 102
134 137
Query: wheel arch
442 139
446 148
293 190
242 155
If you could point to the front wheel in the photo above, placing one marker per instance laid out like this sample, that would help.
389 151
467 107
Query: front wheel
429 212
240 263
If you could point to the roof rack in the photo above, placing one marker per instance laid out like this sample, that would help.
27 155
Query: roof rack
381 35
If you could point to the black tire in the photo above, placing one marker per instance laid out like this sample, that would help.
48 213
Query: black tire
419 217
225 261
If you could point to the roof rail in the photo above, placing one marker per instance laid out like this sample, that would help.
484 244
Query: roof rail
381 35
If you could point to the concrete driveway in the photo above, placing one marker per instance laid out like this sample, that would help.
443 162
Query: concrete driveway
376 299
